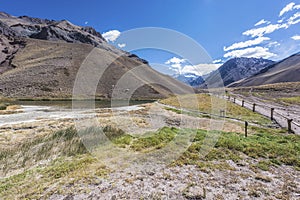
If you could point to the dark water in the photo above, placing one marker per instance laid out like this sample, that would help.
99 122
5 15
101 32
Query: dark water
82 104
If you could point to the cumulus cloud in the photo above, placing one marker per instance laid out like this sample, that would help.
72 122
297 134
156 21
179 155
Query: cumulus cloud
253 52
287 8
176 64
248 43
112 35
180 66
296 37
122 45
262 22
86 22
200 69
175 60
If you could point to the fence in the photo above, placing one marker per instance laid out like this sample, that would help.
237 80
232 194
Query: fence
278 114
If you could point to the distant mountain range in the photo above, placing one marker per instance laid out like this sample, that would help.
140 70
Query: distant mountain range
189 79
41 58
243 72
233 70
287 70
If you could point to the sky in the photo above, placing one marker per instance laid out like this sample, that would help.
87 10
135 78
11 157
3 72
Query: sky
225 29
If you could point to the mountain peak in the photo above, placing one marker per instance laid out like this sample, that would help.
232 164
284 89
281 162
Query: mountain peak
236 69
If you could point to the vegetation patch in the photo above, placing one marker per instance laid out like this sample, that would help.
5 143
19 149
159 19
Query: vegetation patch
291 100
154 140
37 182
270 146
273 148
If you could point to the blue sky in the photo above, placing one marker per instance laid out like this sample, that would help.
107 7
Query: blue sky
224 28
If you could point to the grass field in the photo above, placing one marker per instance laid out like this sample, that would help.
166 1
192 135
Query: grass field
77 167
60 163
213 105
284 93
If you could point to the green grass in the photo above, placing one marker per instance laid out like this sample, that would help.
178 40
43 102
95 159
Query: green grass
74 166
155 140
291 100
31 184
272 147
3 106
146 142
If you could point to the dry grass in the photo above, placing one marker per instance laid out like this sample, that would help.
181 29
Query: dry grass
213 105
284 93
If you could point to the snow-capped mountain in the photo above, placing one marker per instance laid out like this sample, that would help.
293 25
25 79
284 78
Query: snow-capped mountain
236 69
190 79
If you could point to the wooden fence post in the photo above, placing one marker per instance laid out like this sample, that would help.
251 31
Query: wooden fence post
222 113
246 129
253 109
243 102
289 121
272 113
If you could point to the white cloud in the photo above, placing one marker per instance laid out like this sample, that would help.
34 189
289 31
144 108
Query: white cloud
253 52
262 48
273 44
287 8
296 37
294 19
122 45
200 69
175 60
248 43
217 61
111 36
179 66
262 22
259 32
176 64
86 22
280 21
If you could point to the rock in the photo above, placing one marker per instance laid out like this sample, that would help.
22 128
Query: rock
195 192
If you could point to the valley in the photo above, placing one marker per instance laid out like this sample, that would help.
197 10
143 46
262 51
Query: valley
80 118
49 152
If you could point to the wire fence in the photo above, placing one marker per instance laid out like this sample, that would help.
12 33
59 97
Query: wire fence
283 116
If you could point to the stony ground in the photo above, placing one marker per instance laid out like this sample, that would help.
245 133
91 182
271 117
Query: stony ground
190 182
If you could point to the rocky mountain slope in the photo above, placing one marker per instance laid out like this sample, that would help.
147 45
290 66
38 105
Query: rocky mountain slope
287 70
41 58
236 69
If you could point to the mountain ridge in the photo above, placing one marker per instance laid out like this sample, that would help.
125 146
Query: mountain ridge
286 70
40 58
236 69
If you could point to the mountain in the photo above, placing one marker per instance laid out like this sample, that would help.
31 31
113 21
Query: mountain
236 69
189 79
287 70
41 58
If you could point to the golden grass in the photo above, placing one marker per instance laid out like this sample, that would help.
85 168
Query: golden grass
291 100
213 105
